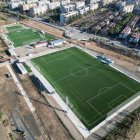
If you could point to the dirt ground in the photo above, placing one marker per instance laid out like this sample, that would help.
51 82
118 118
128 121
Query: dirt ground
7 88
50 122
4 20
43 27
2 45
11 104
137 137
121 60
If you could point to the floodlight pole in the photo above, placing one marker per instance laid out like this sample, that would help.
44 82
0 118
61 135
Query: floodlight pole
67 103
135 67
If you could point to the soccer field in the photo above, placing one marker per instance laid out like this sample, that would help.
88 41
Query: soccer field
21 36
93 88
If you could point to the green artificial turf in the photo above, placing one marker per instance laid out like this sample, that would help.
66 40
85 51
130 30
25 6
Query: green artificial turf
27 68
14 28
93 88
21 36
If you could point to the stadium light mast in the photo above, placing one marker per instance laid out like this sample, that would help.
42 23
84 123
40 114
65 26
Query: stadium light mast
67 103
135 68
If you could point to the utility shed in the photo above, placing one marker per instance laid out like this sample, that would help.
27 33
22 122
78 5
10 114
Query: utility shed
57 42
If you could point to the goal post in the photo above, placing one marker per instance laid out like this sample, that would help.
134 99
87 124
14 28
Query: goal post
123 104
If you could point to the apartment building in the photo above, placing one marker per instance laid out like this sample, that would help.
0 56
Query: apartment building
125 32
125 7
105 2
135 37
64 17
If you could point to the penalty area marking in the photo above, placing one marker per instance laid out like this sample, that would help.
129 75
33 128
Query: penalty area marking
109 106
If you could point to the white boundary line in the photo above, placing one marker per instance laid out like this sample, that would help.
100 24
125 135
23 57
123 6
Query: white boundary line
104 92
121 109
82 129
117 99
79 125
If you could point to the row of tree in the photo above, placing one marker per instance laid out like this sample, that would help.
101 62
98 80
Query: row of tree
120 25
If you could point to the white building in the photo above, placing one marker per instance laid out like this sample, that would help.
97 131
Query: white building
64 17
64 2
84 10
57 42
127 9
38 10
43 2
135 37
67 8
79 4
31 1
124 7
25 7
94 6
15 4
53 5
126 31
105 2
88 2
120 4
41 44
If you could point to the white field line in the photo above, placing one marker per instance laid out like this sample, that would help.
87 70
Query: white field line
31 107
102 89
94 108
103 92
81 115
45 61
78 124
26 58
115 114
76 121
75 73
127 74
38 74
128 87
115 99
92 53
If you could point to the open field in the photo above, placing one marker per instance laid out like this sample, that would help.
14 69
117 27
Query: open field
93 89
4 19
14 110
43 27
125 62
21 36
14 28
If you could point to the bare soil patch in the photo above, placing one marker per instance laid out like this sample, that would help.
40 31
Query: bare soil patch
52 125
43 27
119 59
4 20
10 104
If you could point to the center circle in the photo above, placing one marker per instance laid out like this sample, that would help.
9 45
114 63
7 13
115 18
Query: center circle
79 71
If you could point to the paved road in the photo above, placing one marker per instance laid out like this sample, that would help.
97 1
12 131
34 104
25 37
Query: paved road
79 35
